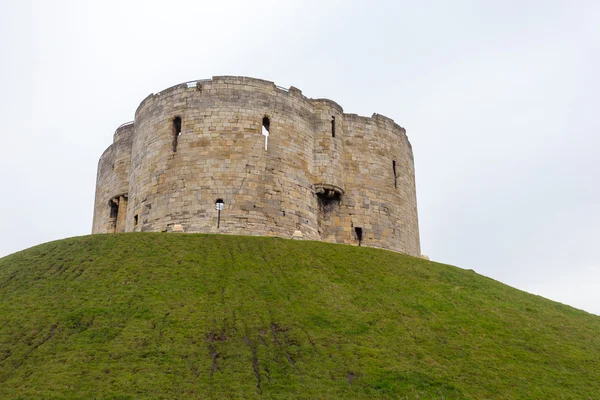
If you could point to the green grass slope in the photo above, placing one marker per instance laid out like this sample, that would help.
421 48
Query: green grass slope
168 316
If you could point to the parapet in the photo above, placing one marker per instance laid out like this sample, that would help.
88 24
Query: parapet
123 132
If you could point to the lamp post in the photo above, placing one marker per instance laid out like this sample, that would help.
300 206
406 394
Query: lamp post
219 205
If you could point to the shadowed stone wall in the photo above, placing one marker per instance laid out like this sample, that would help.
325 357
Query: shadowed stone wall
195 143
112 182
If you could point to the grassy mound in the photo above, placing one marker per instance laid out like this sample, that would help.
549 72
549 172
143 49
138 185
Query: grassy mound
166 316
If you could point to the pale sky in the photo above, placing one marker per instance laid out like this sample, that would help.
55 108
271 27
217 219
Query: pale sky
499 100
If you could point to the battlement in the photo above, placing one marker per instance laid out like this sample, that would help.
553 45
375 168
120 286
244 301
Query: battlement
124 131
275 162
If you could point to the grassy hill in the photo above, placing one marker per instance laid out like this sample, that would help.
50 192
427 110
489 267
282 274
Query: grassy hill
167 316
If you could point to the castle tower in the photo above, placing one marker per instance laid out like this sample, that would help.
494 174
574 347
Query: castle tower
272 160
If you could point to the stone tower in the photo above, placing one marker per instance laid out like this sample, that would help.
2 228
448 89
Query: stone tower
272 159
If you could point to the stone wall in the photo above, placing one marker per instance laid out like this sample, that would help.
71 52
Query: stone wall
323 172
112 182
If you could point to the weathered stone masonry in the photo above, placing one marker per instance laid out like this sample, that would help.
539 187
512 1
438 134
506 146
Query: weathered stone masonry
335 177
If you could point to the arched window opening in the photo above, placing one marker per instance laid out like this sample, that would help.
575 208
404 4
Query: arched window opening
395 175
266 125
176 131
219 206
332 126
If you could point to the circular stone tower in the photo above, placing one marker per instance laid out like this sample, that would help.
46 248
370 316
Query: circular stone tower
242 156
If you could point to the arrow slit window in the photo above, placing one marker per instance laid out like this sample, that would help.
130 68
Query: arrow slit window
266 125
176 132
332 126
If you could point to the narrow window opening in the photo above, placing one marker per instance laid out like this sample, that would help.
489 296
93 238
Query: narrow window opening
219 206
176 131
114 209
359 234
113 216
395 175
332 126
117 213
266 125
135 220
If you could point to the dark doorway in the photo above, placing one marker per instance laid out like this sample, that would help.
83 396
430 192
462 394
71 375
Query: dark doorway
359 234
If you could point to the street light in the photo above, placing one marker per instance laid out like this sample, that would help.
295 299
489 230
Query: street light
219 206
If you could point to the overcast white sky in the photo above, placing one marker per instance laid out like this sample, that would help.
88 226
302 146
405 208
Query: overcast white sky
499 99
